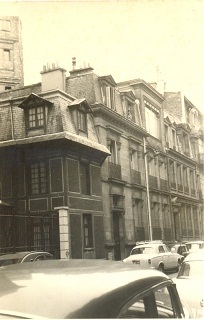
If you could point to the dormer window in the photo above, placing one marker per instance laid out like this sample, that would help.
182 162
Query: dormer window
108 96
36 111
82 121
36 117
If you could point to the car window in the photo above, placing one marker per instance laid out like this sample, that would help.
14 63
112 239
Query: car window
193 269
161 249
142 250
157 304
8 262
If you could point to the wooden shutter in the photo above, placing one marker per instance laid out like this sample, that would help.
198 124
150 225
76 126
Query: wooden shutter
76 236
73 175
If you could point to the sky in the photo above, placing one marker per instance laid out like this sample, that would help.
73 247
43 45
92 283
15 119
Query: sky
148 39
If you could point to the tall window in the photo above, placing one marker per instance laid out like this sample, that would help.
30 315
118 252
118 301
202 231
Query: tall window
36 117
114 151
7 55
108 96
38 178
173 138
134 160
172 174
178 174
152 121
166 128
85 178
185 177
88 233
82 121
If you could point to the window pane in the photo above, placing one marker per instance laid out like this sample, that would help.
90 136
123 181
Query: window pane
38 178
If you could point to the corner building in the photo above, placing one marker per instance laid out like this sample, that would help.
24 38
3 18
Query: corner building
50 170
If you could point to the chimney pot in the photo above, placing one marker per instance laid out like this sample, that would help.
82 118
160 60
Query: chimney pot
73 63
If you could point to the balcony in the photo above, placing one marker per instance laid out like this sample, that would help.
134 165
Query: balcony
135 177
163 185
114 171
153 182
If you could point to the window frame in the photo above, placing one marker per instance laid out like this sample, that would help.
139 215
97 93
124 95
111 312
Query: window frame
88 230
36 178
82 121
85 185
36 120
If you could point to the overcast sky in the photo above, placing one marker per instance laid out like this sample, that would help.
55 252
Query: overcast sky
152 40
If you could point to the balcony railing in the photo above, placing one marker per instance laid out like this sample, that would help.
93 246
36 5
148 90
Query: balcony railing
135 176
193 193
180 187
173 184
163 185
114 171
153 182
186 189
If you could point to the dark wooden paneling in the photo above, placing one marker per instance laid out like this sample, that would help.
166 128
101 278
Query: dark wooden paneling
7 181
96 180
73 175
38 205
21 179
56 175
76 236
85 204
99 237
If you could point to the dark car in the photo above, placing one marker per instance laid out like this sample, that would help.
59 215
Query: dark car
86 289
21 257
179 248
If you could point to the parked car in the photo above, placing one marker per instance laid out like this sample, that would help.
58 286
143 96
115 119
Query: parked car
190 282
21 257
195 245
87 289
154 255
179 248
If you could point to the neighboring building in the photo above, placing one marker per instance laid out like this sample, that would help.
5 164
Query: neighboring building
184 125
50 159
11 53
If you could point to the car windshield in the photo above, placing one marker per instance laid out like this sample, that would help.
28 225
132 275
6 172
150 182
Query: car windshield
192 269
144 250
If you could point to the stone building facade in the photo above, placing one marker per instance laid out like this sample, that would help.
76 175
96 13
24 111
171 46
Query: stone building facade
11 53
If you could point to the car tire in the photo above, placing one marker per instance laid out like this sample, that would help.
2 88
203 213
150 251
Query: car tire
161 267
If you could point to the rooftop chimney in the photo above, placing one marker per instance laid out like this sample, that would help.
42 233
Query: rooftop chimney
53 78
80 71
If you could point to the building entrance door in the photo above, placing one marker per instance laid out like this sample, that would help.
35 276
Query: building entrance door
116 233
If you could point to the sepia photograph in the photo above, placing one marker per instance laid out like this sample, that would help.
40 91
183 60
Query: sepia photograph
102 159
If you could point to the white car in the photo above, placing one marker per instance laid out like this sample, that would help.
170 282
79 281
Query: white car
195 245
155 255
190 282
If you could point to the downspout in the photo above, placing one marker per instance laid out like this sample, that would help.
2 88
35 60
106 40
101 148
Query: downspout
12 126
147 186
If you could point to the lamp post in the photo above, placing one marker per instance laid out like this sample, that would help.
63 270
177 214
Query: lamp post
147 186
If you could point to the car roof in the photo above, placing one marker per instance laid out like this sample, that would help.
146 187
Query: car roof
195 256
20 255
150 244
73 288
196 241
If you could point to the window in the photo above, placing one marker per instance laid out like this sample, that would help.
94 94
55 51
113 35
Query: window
185 179
172 174
173 138
166 129
153 304
38 178
108 96
134 160
85 178
114 151
7 55
36 117
87 227
82 121
5 25
152 121
8 88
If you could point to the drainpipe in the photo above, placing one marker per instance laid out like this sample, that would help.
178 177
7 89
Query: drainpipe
147 186
12 127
